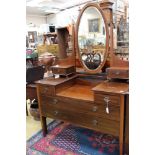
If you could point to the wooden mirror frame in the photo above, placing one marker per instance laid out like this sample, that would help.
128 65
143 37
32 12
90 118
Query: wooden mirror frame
98 69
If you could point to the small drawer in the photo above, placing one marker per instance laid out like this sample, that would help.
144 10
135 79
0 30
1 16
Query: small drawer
108 105
46 90
58 71
118 73
100 98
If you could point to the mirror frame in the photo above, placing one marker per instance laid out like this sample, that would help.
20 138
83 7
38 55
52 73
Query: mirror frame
98 69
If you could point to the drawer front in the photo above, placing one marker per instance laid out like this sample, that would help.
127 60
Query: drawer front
58 71
82 107
46 90
85 120
69 104
124 74
109 106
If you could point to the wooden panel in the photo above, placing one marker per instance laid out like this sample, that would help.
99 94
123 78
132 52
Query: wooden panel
62 34
31 92
85 120
47 90
126 140
64 86
112 88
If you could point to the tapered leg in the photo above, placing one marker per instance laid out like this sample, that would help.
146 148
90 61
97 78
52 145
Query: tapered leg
120 146
43 124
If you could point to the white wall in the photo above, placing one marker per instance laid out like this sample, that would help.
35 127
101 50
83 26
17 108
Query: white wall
37 20
64 18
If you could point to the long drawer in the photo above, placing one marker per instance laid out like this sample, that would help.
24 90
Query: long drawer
85 107
82 119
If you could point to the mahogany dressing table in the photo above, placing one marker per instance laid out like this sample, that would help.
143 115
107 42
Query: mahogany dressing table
94 103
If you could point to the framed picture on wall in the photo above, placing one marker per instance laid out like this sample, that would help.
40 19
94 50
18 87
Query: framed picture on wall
93 25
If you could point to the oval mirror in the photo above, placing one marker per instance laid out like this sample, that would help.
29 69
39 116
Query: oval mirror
92 41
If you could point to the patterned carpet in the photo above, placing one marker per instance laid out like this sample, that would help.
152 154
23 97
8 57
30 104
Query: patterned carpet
67 139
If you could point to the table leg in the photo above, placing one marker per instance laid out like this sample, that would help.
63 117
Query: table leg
121 135
43 124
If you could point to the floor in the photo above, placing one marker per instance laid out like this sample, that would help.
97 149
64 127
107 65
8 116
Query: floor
32 126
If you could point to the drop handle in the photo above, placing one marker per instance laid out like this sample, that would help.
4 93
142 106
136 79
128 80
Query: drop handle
95 122
107 100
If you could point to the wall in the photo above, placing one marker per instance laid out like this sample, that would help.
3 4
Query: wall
64 18
37 20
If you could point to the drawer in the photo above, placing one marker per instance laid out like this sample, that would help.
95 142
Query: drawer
81 119
69 104
63 71
108 105
46 90
58 71
82 107
118 73
101 98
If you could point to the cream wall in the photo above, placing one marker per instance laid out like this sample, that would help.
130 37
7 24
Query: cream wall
64 18
34 23
37 20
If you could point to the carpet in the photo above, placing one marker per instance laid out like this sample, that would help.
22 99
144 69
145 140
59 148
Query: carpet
68 139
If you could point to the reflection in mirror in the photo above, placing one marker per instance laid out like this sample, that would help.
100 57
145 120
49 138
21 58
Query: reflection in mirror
92 38
122 50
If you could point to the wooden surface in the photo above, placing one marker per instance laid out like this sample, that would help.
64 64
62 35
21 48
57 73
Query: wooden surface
78 92
62 34
112 87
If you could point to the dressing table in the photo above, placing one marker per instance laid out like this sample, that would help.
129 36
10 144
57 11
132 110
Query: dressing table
94 103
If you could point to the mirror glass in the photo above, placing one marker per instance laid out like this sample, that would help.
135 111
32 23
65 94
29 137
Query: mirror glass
92 38
122 40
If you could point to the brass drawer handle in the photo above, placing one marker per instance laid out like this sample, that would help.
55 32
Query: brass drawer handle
95 122
55 113
55 101
94 108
